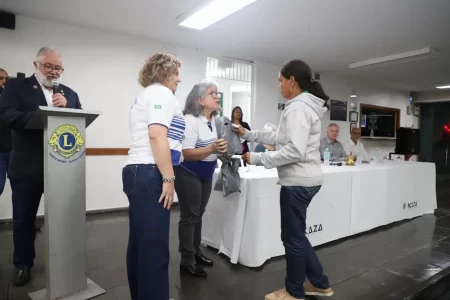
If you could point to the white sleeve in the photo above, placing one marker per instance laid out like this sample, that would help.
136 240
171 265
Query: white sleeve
348 147
190 132
161 106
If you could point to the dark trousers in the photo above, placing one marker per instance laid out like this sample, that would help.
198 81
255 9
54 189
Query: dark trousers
193 195
4 163
301 259
148 243
26 196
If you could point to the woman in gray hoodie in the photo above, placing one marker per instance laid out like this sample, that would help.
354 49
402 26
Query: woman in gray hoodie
297 159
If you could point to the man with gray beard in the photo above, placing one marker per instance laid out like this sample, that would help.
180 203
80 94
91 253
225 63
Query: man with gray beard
20 99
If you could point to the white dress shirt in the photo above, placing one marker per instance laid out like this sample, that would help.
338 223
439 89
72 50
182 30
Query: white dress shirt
47 93
356 149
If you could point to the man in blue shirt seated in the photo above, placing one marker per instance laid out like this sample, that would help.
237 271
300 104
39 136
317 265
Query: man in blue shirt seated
330 142
265 147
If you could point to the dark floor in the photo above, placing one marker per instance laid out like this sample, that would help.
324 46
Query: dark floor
376 265
392 262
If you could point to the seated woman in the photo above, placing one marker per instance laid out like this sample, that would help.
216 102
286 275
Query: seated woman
266 147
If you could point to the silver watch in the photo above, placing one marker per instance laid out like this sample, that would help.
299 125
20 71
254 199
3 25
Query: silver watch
168 179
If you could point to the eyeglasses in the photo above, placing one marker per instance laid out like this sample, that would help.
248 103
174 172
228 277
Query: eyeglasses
50 67
3 78
213 94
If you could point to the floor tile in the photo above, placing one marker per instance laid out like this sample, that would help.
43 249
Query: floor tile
354 289
368 255
443 222
109 278
106 258
338 272
417 271
109 295
6 242
5 255
372 265
385 280
440 213
122 292
442 247
259 286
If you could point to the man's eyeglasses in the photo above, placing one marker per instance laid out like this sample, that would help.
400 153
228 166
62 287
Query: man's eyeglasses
3 78
213 94
50 67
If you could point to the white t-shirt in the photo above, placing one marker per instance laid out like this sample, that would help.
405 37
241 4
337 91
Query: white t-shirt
200 133
156 104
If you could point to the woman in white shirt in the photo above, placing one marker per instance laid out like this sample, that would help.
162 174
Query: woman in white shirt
156 127
195 173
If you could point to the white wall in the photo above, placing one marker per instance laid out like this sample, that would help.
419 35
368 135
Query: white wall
227 87
266 95
243 100
103 69
368 93
431 96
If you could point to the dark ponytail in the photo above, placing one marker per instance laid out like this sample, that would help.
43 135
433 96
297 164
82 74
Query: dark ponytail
317 90
303 76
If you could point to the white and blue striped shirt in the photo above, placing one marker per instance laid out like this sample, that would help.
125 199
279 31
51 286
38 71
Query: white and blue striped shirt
200 133
156 104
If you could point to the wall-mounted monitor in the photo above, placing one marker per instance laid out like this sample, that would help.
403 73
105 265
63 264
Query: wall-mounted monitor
378 121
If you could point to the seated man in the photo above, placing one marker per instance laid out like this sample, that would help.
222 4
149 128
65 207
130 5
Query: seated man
330 142
264 147
355 147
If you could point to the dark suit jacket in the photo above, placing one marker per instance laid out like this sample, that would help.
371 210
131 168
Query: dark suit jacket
18 103
5 134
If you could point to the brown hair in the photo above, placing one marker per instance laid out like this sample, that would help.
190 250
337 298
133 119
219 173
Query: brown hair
158 68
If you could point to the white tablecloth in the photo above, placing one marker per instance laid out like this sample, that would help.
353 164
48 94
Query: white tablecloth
246 226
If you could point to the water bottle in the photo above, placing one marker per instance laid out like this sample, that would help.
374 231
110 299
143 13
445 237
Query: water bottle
326 157
375 156
359 156
267 150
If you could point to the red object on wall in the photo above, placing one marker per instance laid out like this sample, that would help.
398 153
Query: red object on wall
446 132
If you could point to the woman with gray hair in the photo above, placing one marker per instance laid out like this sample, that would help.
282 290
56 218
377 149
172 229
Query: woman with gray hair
195 173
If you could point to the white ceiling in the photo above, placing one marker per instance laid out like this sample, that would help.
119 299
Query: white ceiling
328 34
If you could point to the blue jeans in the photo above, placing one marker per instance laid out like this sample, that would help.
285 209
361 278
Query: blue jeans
301 260
148 243
4 163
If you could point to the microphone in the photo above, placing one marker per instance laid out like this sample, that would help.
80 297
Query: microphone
55 84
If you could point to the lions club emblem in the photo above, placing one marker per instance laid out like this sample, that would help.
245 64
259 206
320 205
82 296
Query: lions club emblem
66 140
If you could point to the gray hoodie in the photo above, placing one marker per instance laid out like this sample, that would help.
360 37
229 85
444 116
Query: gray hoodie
297 156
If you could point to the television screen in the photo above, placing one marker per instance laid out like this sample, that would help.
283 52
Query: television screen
378 122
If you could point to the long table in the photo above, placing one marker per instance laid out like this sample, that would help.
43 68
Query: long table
246 226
